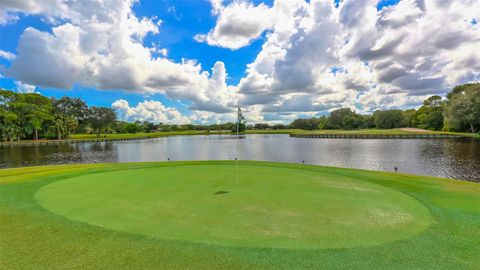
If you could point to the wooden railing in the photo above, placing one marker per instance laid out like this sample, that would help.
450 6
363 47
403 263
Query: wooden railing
374 136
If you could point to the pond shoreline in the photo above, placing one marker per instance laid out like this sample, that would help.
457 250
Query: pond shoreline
450 157
330 134
70 141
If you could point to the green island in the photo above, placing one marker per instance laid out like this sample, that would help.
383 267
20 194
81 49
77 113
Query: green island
201 214
144 135
32 118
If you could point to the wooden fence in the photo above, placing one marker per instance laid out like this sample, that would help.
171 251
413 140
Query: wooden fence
376 136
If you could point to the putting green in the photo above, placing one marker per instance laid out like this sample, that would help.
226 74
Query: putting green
272 207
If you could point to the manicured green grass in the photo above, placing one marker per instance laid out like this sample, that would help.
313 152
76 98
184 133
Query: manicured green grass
193 215
272 131
170 133
178 133
142 134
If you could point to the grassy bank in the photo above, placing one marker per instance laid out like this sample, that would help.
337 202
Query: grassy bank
193 215
179 133
143 135
395 131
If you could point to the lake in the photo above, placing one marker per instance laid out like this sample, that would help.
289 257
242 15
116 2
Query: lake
453 158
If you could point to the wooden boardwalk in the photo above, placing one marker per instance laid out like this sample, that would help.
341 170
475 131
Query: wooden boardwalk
375 136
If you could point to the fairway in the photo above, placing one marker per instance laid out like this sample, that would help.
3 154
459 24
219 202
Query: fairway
270 207
178 215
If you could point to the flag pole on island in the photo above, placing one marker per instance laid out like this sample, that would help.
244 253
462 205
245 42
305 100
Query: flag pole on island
239 119
236 155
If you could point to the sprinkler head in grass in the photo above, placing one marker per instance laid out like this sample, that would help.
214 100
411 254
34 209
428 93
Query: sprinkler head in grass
168 159
395 168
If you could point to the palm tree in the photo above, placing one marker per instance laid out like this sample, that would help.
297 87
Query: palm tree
10 126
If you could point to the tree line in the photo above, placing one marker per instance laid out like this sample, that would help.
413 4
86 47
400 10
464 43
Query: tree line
459 111
33 116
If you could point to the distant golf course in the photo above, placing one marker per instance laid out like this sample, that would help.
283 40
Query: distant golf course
211 214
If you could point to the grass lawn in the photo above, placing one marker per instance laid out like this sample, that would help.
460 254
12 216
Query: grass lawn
143 134
178 133
179 215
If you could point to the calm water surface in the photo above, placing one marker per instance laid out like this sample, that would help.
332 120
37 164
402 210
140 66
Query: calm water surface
454 158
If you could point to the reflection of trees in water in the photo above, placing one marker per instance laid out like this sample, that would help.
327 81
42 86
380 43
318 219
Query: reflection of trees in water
462 149
466 156
93 152
57 154
99 147
458 158
15 156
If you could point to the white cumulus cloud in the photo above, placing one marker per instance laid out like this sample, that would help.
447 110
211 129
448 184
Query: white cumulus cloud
25 88
238 24
149 110
7 55
315 57
322 57
100 44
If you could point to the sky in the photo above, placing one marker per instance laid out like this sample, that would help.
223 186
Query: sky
194 61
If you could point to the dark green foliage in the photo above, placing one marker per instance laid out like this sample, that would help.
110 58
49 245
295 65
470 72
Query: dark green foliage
33 116
71 106
280 126
241 127
131 128
101 118
389 119
23 115
336 119
260 126
430 115
149 127
306 124
460 112
353 122
408 116
462 108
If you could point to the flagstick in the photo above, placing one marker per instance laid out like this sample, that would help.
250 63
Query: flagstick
236 159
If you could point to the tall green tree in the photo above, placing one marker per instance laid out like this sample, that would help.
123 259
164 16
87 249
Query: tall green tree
462 109
389 119
353 122
335 120
305 123
72 107
101 118
430 115
68 113
39 111
10 127
408 116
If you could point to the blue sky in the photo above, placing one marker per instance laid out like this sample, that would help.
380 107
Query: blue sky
292 73
180 25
